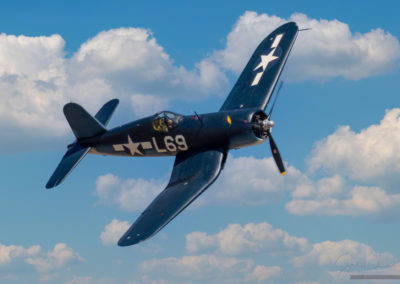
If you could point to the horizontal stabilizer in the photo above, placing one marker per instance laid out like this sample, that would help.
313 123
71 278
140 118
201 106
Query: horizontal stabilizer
106 111
82 123
73 156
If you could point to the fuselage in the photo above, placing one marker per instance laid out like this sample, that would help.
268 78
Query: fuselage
167 134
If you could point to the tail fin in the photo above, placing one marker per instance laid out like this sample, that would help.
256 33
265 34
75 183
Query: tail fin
84 126
82 123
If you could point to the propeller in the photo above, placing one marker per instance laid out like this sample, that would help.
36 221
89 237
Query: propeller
274 148
275 154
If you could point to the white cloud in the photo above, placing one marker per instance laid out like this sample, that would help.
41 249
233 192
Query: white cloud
144 105
130 194
371 155
237 239
252 181
361 200
263 238
329 50
131 61
113 232
325 187
12 252
319 260
57 258
37 79
15 260
208 268
341 254
261 274
31 74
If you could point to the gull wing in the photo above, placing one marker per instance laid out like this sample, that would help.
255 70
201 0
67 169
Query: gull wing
193 173
258 79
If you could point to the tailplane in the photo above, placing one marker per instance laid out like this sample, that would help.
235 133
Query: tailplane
84 126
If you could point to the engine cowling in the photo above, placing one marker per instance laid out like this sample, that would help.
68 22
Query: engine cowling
248 128
261 124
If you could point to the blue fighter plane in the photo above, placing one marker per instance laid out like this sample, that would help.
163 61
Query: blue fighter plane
199 142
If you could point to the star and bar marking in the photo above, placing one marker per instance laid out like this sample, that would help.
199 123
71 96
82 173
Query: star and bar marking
266 59
133 147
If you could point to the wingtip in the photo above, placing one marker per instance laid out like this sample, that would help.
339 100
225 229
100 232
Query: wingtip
50 184
126 241
283 173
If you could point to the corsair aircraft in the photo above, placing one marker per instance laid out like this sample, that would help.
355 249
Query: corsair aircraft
200 142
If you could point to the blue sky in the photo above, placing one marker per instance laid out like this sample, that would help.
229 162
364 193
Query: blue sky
337 124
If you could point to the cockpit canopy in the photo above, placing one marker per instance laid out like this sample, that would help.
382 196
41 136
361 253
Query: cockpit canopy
166 120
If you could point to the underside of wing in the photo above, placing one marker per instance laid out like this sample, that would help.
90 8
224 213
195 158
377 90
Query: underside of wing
193 173
258 79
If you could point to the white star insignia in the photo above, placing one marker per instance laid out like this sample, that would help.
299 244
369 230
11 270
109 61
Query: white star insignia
266 59
133 147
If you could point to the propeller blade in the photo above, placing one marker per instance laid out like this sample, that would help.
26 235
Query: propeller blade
276 155
276 97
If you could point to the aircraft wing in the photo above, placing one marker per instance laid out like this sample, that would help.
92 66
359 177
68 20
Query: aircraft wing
193 173
258 79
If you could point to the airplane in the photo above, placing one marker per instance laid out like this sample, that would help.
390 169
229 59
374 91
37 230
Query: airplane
200 142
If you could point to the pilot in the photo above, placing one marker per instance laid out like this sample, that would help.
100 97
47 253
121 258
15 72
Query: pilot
170 123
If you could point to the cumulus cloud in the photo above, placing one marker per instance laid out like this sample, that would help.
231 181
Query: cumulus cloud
130 194
371 155
219 258
361 200
252 181
261 238
341 253
130 61
325 187
329 50
209 268
12 252
47 264
57 258
31 74
144 105
237 239
37 79
113 232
